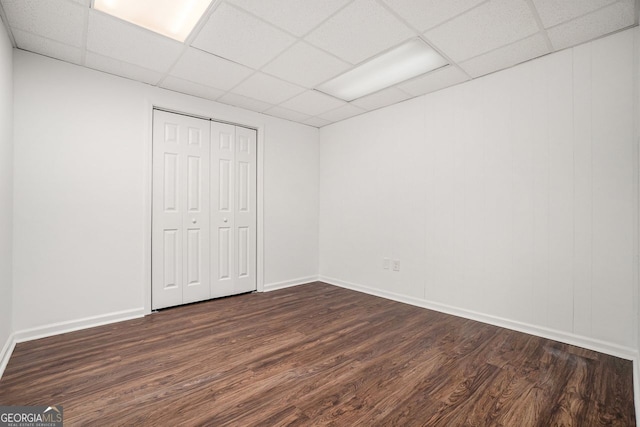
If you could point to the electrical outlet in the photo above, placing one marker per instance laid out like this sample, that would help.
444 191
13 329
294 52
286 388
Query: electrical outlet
396 265
386 262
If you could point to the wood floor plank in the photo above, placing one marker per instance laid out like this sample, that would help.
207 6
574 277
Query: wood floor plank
316 355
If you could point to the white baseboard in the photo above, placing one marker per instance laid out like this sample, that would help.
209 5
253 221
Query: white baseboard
568 338
289 283
6 352
75 325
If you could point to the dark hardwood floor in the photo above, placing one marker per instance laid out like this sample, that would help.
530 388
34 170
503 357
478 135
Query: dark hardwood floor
316 355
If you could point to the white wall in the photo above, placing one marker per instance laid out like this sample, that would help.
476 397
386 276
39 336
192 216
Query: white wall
511 198
291 205
6 186
82 152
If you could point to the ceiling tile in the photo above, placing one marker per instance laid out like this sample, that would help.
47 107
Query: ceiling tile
183 86
126 42
119 68
44 46
305 65
313 103
61 21
554 12
426 14
439 79
285 113
359 31
240 37
529 48
342 113
381 99
316 122
487 27
244 102
209 70
296 16
267 89
604 21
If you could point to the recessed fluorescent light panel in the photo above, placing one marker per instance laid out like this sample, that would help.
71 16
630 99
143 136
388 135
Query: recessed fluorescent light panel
397 65
171 18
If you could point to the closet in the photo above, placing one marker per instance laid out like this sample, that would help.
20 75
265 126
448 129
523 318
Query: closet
203 209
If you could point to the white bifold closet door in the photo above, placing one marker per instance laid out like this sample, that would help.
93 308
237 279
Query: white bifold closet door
204 210
233 209
180 235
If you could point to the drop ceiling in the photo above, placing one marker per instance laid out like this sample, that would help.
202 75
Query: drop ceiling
270 55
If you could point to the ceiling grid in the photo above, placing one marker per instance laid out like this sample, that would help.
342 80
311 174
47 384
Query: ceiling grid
271 56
